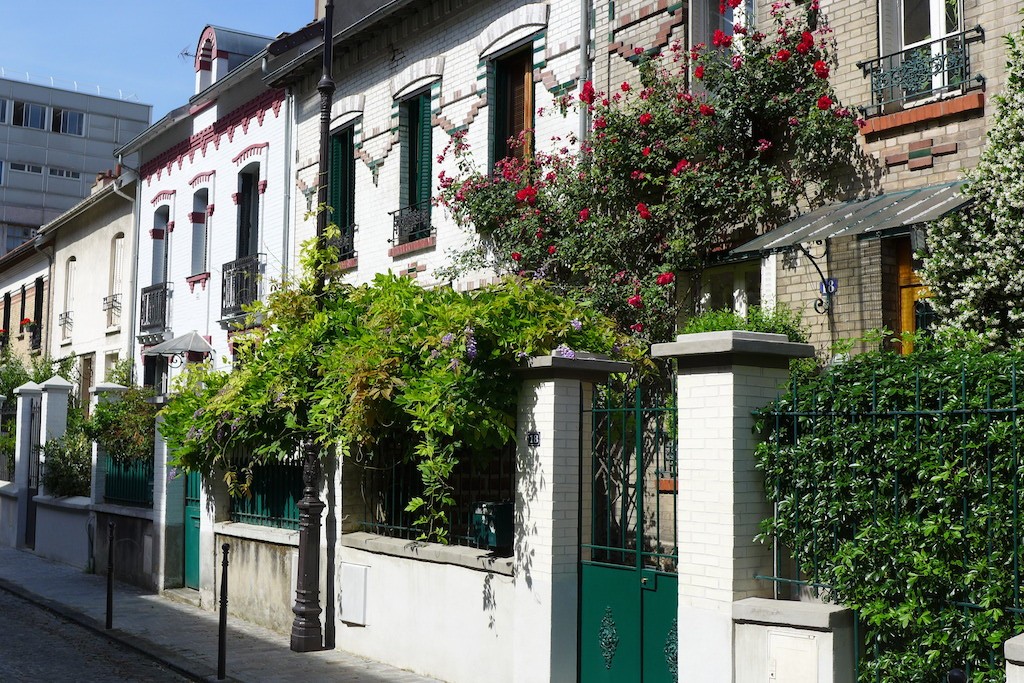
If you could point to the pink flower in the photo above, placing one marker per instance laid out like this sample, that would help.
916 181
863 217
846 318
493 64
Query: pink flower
666 278
625 86
764 145
587 93
636 301
698 73
644 212
737 62
707 110
638 51
821 69
552 249
584 214
516 256
794 121
637 175
637 327
824 102
645 118
782 55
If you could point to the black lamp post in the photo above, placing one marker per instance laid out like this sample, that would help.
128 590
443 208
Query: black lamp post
307 635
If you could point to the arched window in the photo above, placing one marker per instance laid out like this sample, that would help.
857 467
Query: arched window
159 234
112 302
66 318
248 211
199 234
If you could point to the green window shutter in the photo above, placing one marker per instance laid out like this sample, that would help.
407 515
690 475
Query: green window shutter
334 180
341 192
424 152
497 105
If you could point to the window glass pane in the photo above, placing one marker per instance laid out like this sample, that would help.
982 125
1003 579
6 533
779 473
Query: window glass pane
952 12
3 111
916 21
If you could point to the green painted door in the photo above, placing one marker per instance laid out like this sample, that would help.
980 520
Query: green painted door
192 488
629 584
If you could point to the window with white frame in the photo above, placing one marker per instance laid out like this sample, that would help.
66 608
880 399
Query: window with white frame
65 173
708 16
199 217
112 302
68 122
734 287
26 168
159 263
66 318
29 115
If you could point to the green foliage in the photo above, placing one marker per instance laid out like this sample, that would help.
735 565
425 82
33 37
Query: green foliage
778 320
677 167
895 480
975 255
125 427
378 360
68 465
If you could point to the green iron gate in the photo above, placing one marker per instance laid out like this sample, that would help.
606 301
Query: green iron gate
629 558
193 484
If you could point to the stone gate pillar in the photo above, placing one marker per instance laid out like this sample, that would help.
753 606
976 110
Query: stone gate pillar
546 542
53 413
723 377
26 394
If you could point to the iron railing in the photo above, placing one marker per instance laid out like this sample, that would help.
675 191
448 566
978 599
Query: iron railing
345 243
241 284
924 71
8 425
112 307
66 320
411 223
273 497
389 480
129 483
153 308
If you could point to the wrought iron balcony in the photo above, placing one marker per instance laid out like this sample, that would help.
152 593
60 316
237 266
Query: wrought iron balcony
241 284
112 307
345 243
66 320
412 223
153 310
924 71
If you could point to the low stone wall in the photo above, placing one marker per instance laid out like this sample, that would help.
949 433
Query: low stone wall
261 573
62 529
9 515
796 641
134 553
438 610
1014 651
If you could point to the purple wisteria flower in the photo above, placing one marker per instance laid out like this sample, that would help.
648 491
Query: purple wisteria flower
446 340
576 324
470 344
454 365
565 352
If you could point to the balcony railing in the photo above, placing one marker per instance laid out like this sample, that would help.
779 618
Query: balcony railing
241 284
345 243
924 71
412 223
153 311
66 320
112 307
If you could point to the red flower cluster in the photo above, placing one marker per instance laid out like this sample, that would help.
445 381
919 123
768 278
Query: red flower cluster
584 214
587 93
528 194
644 212
782 55
707 110
646 151
698 73
680 167
516 256
637 327
26 321
821 69
666 278
721 38
552 249
599 123
824 102
645 119
806 43
625 86
636 301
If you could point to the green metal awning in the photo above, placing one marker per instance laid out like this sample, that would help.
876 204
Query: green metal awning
874 216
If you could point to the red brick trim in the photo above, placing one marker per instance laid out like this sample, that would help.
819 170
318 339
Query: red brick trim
926 112
200 279
197 217
162 195
202 178
410 247
920 144
918 164
261 186
250 151
348 264
157 233
170 227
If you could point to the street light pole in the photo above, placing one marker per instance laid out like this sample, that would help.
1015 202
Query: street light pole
307 635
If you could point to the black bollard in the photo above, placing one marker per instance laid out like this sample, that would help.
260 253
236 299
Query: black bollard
222 634
956 676
110 576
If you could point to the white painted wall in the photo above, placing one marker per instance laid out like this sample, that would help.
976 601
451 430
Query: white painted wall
62 529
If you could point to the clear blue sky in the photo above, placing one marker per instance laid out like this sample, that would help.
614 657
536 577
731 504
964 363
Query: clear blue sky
128 47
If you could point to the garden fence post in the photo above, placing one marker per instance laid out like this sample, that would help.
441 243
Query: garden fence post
55 395
26 394
723 377
546 537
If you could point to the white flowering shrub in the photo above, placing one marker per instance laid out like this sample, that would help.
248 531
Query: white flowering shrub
976 262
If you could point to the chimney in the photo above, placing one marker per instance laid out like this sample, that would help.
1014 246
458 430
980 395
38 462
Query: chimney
318 9
103 179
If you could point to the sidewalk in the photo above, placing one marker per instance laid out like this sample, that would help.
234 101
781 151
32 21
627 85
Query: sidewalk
181 636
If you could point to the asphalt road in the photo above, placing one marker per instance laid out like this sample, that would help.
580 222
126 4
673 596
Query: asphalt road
35 645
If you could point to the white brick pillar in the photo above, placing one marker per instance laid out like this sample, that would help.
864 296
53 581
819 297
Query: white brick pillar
53 413
723 378
547 520
26 394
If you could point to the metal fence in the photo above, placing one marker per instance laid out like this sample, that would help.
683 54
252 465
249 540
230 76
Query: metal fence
946 467
129 483
8 424
273 496
389 480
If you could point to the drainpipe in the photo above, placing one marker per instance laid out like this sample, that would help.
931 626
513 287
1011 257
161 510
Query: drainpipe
289 99
585 64
132 266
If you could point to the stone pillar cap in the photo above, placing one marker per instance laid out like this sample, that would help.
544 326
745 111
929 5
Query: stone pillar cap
587 366
107 388
28 388
57 383
732 347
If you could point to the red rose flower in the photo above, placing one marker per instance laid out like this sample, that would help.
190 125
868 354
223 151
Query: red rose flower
824 102
680 167
636 301
698 73
646 118
637 327
666 278
516 256
707 110
646 151
625 86
721 38
782 55
821 69
638 51
528 194
599 122
552 249
584 214
540 234
644 212
735 3
587 93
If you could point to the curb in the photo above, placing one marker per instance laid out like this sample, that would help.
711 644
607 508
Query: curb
154 651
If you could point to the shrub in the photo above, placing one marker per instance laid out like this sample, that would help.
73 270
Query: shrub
68 466
778 320
125 428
